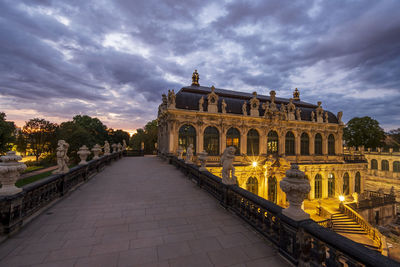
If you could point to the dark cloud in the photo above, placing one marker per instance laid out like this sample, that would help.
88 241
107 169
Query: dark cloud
114 59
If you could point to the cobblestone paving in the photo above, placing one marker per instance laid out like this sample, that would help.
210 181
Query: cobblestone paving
138 212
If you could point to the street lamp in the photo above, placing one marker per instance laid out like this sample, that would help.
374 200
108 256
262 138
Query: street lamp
254 164
341 198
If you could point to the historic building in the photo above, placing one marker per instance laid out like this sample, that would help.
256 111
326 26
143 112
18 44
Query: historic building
268 132
383 170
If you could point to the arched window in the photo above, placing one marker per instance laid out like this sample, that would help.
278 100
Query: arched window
357 183
187 136
211 141
374 164
318 186
396 166
318 144
304 144
272 189
289 144
331 185
233 139
331 145
272 143
385 165
346 182
252 185
253 143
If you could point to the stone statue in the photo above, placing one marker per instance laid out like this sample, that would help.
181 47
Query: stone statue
179 151
83 153
296 95
189 154
195 78
106 148
254 106
201 102
228 170
119 147
171 99
339 117
114 148
326 117
319 112
244 108
62 157
10 170
392 191
312 116
284 114
96 151
298 115
203 160
272 95
223 106
123 145
291 108
296 186
265 106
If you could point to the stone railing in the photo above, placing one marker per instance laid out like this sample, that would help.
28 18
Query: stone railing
372 232
303 243
18 209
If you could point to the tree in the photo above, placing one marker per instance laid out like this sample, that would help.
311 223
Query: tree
365 132
21 143
117 136
7 133
148 136
40 135
394 137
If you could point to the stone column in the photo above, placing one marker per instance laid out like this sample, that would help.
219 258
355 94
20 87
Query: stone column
243 143
324 184
312 143
262 143
281 143
296 187
10 170
200 139
222 142
324 144
297 140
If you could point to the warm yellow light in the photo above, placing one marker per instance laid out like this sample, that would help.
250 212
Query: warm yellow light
254 163
341 198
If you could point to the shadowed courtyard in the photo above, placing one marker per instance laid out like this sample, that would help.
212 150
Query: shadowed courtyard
138 212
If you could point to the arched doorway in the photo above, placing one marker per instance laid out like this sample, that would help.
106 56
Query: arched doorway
331 145
331 185
211 141
272 190
318 186
318 144
253 143
346 184
272 143
187 136
357 183
252 185
233 139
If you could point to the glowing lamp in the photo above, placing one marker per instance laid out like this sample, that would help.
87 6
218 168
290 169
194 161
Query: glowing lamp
254 164
341 198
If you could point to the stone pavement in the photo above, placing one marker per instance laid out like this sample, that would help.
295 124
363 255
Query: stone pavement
138 212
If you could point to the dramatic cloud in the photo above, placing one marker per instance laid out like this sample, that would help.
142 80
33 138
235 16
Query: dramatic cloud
114 59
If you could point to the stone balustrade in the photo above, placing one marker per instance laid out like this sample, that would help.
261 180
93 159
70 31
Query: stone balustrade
301 242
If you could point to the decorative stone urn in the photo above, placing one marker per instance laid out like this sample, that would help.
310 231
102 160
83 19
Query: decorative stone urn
10 169
83 153
96 151
119 147
296 186
203 160
179 151
114 148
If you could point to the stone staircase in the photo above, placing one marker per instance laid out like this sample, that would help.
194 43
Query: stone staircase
346 226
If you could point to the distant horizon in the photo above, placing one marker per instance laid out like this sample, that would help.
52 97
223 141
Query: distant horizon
114 59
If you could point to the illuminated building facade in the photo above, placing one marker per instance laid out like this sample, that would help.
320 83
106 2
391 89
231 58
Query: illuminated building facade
268 132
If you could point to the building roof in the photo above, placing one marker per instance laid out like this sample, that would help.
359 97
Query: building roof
188 98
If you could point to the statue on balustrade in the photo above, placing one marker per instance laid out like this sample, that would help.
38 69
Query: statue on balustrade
228 170
189 154
291 108
195 78
223 106
171 99
244 108
62 157
106 148
201 102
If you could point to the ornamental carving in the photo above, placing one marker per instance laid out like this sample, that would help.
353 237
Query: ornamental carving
228 170
291 109
171 99
319 112
223 106
212 99
62 157
254 106
10 170
195 78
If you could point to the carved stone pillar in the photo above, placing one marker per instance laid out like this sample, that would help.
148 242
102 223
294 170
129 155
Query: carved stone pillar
296 187
312 143
281 142
325 144
200 139
222 142
243 143
297 143
324 184
263 141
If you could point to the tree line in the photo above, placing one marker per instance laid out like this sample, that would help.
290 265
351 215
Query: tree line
39 137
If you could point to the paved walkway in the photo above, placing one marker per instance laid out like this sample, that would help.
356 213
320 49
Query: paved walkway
138 212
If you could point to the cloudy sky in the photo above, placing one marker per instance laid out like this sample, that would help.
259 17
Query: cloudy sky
114 58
